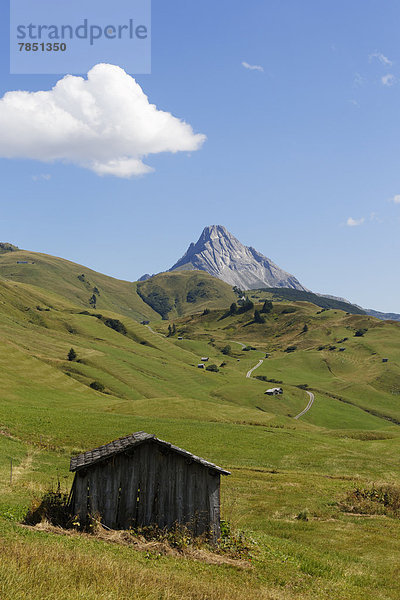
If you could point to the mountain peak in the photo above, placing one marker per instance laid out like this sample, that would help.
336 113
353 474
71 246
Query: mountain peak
222 255
214 231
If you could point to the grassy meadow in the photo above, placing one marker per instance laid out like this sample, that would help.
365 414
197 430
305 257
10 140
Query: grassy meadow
290 478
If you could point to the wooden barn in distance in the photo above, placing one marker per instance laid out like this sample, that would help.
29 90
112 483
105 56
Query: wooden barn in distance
140 480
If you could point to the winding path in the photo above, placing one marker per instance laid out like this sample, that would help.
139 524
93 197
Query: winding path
155 332
254 368
240 343
307 408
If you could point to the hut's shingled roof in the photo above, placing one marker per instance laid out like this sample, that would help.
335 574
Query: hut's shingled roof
101 453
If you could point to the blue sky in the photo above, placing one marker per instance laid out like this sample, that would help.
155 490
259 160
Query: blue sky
293 151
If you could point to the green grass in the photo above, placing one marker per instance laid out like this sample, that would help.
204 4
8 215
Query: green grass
281 467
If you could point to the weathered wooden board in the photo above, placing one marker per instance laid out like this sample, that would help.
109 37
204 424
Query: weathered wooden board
149 485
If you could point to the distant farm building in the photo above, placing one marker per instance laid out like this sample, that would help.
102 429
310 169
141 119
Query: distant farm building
274 391
342 349
140 480
385 359
204 358
144 322
201 366
22 262
180 337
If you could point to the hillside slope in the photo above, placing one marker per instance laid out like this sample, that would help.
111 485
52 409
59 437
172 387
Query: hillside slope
80 285
184 292
290 477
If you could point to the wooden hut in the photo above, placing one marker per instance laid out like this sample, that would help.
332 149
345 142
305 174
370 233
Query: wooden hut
140 480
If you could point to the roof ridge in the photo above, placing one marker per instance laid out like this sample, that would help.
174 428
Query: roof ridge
118 446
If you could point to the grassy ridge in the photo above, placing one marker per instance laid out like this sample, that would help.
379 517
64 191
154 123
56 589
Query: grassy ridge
75 283
302 296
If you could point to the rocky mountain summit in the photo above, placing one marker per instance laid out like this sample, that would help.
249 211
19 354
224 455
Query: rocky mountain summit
222 255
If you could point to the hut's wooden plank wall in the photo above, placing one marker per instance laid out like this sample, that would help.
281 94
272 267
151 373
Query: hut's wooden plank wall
149 485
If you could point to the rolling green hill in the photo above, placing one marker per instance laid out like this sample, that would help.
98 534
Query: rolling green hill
74 282
184 292
289 476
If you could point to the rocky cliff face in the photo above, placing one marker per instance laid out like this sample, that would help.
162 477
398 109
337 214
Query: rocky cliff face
219 253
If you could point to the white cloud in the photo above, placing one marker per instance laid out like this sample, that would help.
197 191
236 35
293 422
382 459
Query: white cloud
253 67
375 218
41 177
388 79
396 199
358 80
381 58
104 123
354 222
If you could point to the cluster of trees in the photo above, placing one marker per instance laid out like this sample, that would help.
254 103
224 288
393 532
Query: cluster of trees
157 299
171 330
238 291
116 325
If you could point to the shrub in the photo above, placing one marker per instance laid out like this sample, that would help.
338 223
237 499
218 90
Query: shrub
53 507
96 385
303 515
206 311
290 349
233 542
226 350
212 368
383 499
360 332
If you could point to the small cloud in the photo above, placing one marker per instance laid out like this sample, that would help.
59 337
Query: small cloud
388 80
384 60
374 218
358 80
41 177
253 67
354 222
396 199
354 102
